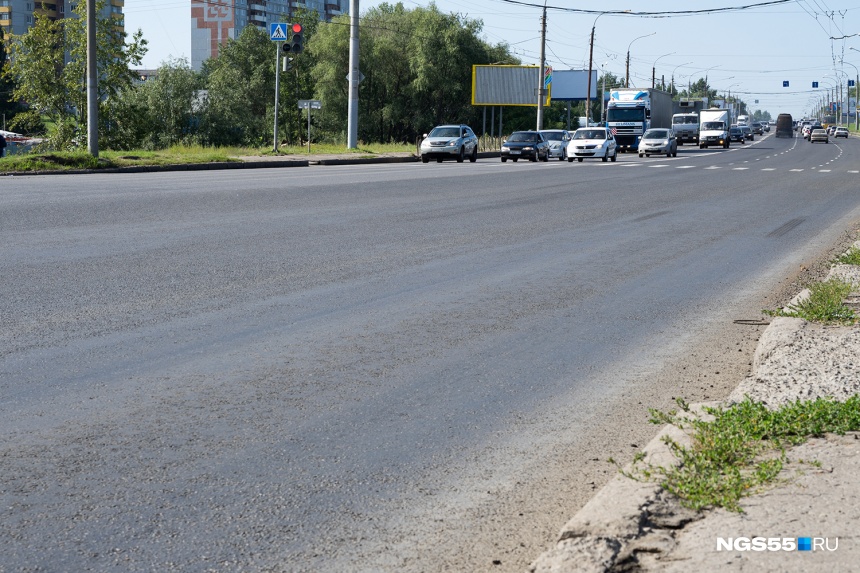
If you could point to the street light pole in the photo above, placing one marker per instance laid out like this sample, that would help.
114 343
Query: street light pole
627 79
673 73
654 68
541 85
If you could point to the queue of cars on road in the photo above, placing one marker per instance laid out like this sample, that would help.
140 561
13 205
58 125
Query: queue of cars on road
458 142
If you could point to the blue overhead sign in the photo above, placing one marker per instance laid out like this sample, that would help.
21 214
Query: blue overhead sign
278 32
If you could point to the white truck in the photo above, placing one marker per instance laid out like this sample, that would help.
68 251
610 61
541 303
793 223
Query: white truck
714 128
632 111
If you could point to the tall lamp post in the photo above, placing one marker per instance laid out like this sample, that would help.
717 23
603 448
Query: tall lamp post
627 79
654 68
675 70
590 61
856 85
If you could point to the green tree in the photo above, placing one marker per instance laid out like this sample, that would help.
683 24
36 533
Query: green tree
417 66
161 112
55 86
240 83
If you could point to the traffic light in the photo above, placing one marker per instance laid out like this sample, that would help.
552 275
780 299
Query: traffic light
297 39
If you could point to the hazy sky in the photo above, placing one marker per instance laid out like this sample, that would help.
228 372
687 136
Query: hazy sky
750 52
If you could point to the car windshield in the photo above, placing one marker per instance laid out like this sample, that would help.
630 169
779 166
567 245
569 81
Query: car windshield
590 134
712 125
553 135
685 119
523 136
445 132
656 134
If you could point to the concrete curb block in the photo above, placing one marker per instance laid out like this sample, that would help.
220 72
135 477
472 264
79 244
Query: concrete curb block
175 167
365 160
627 517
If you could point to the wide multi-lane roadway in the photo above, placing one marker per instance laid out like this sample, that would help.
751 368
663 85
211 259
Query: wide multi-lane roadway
400 367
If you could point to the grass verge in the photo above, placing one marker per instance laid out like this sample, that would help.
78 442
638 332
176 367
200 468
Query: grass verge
177 155
742 449
852 257
824 304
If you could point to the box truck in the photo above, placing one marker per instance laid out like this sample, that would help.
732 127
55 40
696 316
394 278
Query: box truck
714 128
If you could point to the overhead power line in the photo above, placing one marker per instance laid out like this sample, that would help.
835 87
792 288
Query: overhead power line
651 14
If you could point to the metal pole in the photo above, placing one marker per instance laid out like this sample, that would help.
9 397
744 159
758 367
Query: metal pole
277 91
352 108
92 82
309 127
590 56
542 64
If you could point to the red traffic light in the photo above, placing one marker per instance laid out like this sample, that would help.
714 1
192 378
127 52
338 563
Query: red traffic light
296 28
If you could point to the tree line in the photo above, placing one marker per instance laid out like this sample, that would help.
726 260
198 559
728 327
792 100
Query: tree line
417 66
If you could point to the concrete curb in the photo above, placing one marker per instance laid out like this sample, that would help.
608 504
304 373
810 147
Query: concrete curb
174 167
628 517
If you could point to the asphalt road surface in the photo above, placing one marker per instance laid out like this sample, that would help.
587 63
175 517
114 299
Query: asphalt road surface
378 367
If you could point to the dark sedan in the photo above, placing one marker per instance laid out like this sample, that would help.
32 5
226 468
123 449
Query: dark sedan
735 134
528 144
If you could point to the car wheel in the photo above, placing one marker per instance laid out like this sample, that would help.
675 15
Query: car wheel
425 159
579 159
647 155
474 157
438 160
641 155
701 146
514 159
675 153
605 158
614 157
563 155
461 155
570 159
534 158
504 159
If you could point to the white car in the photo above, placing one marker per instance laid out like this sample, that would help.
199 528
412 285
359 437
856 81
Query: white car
592 142
557 139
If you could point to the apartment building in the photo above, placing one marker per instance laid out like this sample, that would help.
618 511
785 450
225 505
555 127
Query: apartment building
17 16
213 22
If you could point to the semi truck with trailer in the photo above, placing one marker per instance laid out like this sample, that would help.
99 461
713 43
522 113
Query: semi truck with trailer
630 112
714 127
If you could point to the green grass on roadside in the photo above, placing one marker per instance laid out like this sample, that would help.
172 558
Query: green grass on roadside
852 257
824 304
177 155
742 449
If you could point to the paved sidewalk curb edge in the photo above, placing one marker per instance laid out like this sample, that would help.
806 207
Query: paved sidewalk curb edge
625 515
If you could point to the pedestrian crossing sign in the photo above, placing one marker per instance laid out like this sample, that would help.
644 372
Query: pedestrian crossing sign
278 32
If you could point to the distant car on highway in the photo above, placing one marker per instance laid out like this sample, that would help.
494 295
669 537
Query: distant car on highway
657 141
819 135
841 132
530 145
757 128
747 131
450 142
735 134
597 142
557 139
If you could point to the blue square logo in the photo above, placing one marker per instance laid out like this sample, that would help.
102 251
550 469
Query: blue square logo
804 544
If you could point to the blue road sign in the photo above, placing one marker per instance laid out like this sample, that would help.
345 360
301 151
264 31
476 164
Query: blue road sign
278 32
785 84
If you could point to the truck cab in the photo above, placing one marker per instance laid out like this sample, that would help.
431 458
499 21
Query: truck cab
686 127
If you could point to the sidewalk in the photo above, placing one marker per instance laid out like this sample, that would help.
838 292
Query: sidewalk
630 525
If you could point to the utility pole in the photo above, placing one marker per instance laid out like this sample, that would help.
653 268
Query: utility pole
541 89
588 93
92 82
353 77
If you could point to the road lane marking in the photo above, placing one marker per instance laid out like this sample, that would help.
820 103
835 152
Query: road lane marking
796 170
713 167
739 168
685 167
768 169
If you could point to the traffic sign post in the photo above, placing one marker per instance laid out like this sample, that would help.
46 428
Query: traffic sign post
309 104
277 33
